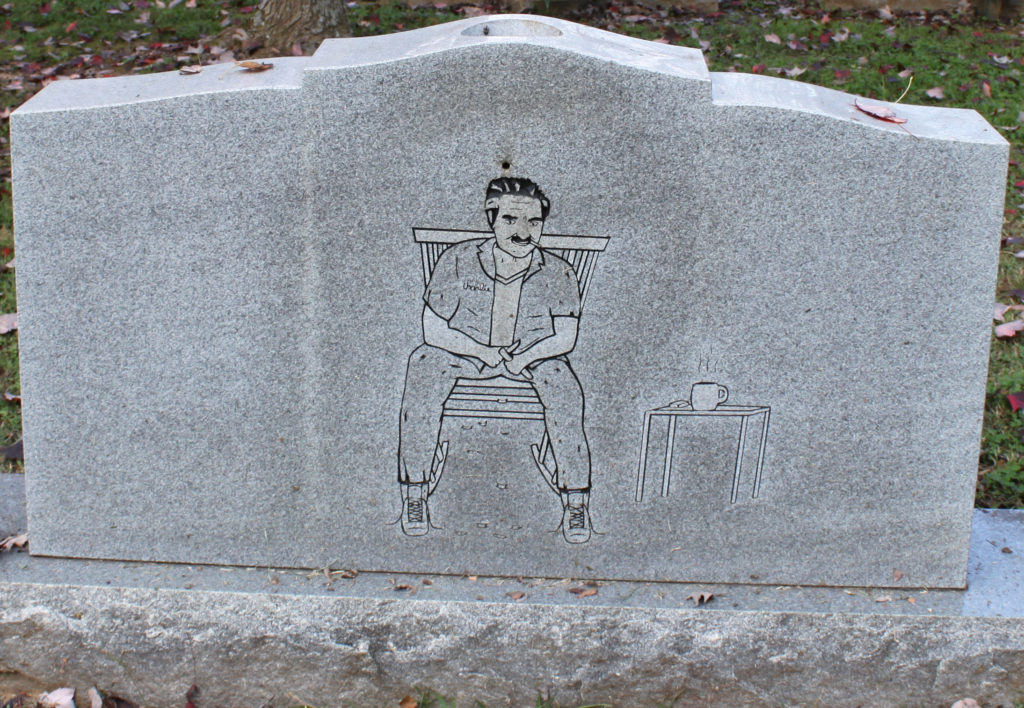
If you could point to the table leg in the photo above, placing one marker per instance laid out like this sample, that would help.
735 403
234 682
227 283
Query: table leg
739 460
666 476
760 454
641 473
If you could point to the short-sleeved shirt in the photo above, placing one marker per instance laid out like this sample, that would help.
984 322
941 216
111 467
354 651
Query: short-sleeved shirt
461 291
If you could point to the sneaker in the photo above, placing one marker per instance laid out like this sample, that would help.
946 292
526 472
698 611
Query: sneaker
576 522
415 512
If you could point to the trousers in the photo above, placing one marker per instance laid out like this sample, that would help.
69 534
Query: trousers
429 379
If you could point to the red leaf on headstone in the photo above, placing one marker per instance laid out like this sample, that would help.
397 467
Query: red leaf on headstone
254 65
879 112
19 541
1016 400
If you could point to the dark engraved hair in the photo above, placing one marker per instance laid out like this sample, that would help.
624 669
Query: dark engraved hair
512 185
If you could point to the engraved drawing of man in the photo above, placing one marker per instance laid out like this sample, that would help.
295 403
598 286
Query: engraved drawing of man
498 307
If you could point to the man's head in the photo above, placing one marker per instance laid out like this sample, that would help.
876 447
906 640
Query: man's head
516 210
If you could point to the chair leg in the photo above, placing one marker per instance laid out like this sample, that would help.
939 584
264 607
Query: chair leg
540 454
440 456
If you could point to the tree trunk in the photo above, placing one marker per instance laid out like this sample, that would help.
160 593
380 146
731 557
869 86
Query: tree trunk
283 23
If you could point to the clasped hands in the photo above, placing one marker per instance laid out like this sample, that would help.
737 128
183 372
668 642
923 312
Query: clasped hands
514 362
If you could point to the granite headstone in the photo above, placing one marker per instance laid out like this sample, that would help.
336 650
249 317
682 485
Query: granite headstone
506 296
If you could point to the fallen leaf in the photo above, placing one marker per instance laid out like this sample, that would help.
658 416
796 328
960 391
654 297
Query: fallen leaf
254 66
403 587
95 699
517 595
700 598
935 92
795 71
905 73
10 265
1016 400
8 323
883 598
912 601
773 38
582 591
13 452
986 88
879 112
1006 549
408 702
12 397
60 698
999 313
190 69
897 575
966 703
885 13
19 541
1009 329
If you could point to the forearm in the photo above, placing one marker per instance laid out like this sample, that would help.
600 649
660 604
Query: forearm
437 333
561 342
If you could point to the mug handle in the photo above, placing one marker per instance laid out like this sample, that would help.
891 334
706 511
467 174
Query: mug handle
723 394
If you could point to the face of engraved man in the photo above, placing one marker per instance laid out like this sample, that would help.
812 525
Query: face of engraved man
518 224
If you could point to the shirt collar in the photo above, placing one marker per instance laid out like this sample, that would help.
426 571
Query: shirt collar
485 254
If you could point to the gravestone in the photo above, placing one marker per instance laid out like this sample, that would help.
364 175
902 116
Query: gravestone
507 296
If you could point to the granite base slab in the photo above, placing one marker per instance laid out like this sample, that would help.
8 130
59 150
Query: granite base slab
264 636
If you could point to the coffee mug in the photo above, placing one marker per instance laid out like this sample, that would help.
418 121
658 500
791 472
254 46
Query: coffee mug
707 396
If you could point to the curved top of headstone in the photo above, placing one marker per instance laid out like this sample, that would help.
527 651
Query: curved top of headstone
495 32
561 35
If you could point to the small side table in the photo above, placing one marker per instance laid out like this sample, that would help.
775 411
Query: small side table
674 413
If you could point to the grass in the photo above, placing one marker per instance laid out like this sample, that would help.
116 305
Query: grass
976 65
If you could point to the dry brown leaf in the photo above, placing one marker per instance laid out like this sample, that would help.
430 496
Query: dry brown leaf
700 598
60 698
583 591
8 323
403 587
912 601
254 66
773 38
517 595
190 69
879 112
906 73
935 92
12 397
10 542
408 702
885 13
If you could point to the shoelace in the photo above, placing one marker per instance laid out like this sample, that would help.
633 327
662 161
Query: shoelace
416 511
577 517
